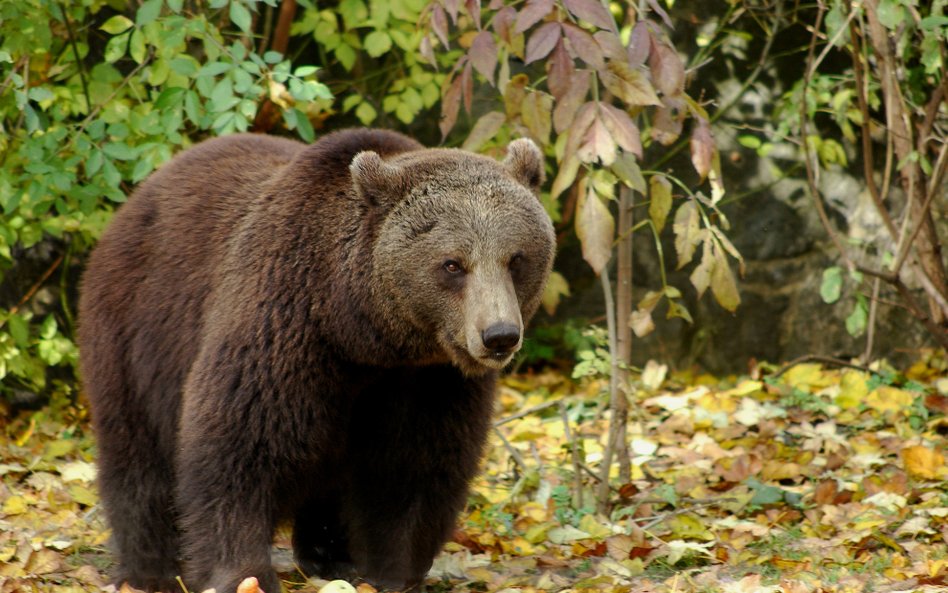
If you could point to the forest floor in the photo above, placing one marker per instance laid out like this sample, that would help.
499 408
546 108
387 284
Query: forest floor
821 479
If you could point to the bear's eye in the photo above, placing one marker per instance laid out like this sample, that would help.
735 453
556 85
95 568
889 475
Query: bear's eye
452 267
515 261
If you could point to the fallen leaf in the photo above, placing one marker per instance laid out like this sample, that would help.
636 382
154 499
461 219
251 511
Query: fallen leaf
924 463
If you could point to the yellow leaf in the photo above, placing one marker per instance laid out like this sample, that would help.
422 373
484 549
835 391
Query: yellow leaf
58 448
923 462
15 505
806 377
594 528
661 193
43 561
745 387
688 526
889 399
534 511
517 546
853 389
83 495
556 287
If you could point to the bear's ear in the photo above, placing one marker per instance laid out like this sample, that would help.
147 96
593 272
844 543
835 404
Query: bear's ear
380 183
525 162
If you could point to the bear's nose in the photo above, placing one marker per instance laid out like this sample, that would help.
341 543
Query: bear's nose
501 337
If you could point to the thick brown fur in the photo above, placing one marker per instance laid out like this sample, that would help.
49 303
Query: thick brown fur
271 331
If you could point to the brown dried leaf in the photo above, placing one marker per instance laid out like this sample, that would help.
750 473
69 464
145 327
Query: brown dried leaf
668 71
629 85
595 228
639 44
622 128
467 86
597 144
723 284
483 55
532 14
584 46
568 104
43 561
687 229
450 104
611 45
452 7
503 23
668 120
426 50
660 192
577 131
654 5
537 115
560 71
702 147
439 24
591 11
484 130
542 41
474 9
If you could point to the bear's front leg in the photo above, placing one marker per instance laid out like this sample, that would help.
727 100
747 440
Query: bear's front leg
225 496
408 479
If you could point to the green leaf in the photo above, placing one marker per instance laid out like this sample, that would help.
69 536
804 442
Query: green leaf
377 43
240 16
366 113
764 494
148 12
304 71
136 47
749 141
119 150
627 170
857 320
115 48
346 56
890 14
117 24
40 93
169 97
20 330
831 287
304 127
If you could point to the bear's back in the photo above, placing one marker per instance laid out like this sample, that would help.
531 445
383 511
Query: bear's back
148 279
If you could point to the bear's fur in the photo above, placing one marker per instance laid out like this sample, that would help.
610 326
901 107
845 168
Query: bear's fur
272 331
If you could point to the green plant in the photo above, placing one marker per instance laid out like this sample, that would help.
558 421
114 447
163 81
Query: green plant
94 96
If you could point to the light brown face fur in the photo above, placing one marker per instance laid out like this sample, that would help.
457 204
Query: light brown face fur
465 247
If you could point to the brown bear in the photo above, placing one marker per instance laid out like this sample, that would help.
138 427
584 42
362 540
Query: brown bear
278 332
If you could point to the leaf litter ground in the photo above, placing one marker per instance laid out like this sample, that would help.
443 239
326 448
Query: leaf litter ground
819 479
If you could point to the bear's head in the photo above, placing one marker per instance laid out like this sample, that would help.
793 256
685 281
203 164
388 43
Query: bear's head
462 251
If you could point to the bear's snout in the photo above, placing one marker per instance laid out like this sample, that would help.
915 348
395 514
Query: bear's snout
501 338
